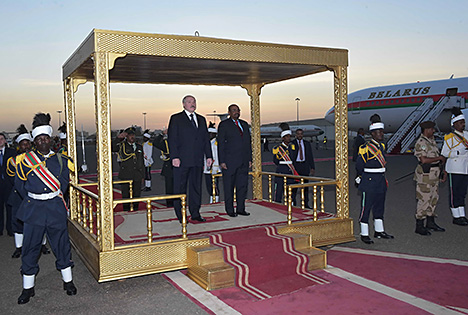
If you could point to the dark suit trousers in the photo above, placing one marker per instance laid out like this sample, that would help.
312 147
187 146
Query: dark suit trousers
136 188
193 177
304 170
239 178
5 209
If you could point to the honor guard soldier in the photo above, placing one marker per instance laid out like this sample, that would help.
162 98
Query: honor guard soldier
131 164
455 149
371 181
215 167
24 141
41 176
148 159
63 149
282 159
427 176
160 142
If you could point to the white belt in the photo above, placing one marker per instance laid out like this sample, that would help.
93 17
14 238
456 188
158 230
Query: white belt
285 162
48 196
374 170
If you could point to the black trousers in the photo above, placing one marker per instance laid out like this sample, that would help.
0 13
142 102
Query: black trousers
169 186
374 202
304 170
136 188
5 210
191 176
238 178
458 184
209 184
147 172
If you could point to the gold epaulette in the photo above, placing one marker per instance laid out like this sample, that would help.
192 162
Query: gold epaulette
275 150
70 164
448 136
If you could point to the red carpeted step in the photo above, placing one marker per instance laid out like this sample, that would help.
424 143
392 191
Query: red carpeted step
266 262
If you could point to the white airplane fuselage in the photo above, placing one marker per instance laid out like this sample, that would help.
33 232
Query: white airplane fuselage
394 103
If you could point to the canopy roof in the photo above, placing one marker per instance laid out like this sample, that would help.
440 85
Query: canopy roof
175 59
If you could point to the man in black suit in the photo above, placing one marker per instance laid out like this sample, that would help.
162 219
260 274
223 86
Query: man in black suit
131 164
189 143
5 186
303 161
235 158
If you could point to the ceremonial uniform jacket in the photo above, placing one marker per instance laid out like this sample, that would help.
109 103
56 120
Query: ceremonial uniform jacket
283 166
47 212
370 167
426 173
215 168
131 160
15 198
63 149
455 149
161 143
148 153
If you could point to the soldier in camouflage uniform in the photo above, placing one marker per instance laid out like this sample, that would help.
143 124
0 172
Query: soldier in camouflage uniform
427 176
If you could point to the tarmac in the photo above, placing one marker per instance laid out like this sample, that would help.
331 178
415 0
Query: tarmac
153 294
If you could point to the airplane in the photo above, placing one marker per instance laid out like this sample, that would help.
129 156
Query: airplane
394 103
273 130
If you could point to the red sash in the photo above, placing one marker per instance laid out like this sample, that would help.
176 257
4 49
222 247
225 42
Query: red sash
285 156
42 172
462 139
377 152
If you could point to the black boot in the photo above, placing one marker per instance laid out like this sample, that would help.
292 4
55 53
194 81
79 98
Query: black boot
69 287
431 225
16 253
45 250
26 295
420 229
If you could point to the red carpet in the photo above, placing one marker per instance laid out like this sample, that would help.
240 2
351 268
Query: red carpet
266 262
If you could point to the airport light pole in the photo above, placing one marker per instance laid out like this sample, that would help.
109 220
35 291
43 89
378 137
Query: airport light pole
297 107
144 121
60 117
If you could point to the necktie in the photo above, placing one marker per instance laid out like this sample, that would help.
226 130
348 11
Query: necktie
1 157
238 127
301 155
193 121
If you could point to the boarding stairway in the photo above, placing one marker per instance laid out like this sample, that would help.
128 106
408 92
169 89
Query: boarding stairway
409 130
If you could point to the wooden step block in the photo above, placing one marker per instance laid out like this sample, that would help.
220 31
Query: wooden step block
204 255
317 258
213 276
301 241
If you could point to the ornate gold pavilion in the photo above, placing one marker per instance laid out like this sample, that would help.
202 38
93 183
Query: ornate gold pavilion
106 57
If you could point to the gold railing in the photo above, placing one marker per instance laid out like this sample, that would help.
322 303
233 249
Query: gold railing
116 182
149 212
314 182
85 210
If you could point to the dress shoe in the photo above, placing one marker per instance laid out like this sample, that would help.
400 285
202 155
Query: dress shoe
199 219
26 295
69 287
11 234
366 239
45 250
460 221
16 253
232 215
382 235
243 213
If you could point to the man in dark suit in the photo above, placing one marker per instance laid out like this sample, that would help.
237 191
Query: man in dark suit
5 186
303 161
358 141
131 164
235 158
189 143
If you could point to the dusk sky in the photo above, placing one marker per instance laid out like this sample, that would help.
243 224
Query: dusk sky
389 42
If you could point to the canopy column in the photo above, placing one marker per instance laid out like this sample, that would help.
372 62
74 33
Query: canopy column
341 140
254 90
69 88
102 60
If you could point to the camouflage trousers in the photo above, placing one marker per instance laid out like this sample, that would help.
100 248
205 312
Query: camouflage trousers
427 192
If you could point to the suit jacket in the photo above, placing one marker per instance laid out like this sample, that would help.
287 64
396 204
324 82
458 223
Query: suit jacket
309 156
234 149
187 143
5 182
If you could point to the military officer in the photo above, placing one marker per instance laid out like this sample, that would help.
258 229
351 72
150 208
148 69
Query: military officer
161 143
427 175
41 176
284 164
63 149
131 164
148 158
371 181
455 149
24 141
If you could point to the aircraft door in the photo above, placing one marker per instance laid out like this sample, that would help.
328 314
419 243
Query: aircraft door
356 108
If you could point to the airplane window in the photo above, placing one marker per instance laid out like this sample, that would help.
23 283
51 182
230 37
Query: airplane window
412 100
386 102
372 103
391 101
